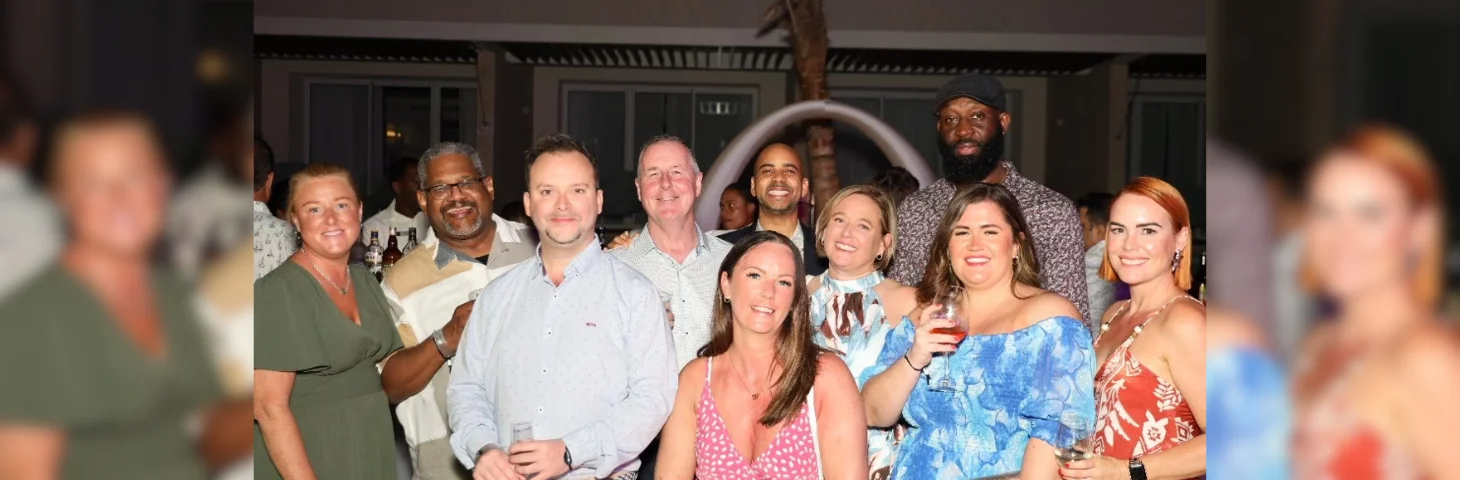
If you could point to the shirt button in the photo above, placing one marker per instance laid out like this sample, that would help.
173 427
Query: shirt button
544 370
539 409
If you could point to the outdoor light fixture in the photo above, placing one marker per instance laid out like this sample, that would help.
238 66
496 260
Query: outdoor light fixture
719 108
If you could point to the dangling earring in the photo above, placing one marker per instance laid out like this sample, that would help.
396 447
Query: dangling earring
1176 261
1016 262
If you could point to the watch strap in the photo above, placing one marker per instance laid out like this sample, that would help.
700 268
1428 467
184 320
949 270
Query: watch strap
1137 469
567 457
440 338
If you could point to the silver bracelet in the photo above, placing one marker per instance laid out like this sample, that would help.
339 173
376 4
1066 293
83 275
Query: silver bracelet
440 339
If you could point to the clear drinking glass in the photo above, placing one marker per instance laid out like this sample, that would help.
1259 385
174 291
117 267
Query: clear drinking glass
949 303
521 432
1074 438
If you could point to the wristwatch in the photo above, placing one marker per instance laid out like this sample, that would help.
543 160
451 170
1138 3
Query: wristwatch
440 338
1137 469
567 457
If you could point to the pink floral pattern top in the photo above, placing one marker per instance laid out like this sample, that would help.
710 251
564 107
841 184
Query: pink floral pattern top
791 454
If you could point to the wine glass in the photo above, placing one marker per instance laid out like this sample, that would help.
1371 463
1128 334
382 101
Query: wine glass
948 302
1074 438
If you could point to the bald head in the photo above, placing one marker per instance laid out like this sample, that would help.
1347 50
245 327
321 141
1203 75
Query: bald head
778 181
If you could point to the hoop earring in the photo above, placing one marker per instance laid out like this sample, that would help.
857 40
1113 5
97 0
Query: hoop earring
726 300
879 258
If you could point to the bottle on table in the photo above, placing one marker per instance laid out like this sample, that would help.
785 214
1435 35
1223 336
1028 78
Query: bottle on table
1201 289
391 255
374 255
410 242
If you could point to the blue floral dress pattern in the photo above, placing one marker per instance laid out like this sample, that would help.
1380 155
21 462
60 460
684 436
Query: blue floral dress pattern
1249 427
847 318
1011 387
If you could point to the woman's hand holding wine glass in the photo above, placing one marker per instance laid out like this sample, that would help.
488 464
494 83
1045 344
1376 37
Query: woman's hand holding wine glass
926 342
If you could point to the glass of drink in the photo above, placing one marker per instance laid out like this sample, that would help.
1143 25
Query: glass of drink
521 432
1074 437
949 310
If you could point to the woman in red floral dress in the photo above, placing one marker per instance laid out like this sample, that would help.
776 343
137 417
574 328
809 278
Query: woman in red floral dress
1150 391
1375 386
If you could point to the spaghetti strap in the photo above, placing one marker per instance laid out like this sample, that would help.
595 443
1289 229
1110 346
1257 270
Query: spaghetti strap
1142 326
709 369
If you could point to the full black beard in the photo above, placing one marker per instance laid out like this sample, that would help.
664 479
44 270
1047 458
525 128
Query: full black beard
973 168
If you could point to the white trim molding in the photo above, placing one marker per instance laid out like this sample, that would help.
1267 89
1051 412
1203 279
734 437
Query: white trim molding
724 37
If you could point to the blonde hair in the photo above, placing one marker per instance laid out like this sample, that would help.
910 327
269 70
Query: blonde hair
316 171
1406 159
91 122
888 215
1171 201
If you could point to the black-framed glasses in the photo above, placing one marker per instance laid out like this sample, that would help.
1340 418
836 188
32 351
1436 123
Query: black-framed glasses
440 191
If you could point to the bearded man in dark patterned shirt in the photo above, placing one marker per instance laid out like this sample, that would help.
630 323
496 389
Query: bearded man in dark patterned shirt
972 118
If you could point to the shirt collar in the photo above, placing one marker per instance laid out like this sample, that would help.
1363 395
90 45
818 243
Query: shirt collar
444 252
643 244
579 265
261 207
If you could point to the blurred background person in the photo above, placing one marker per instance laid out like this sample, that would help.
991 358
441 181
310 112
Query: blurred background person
207 216
1249 419
1002 412
107 372
1094 211
274 240
1374 384
403 213
853 305
32 237
515 211
1296 309
321 326
898 182
1151 383
810 425
737 209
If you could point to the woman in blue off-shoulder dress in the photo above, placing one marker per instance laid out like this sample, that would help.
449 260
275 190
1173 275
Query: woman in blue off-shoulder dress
1027 361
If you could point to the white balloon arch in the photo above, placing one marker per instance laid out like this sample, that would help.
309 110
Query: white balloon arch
743 150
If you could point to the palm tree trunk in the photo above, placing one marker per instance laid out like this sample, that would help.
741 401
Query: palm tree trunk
806 28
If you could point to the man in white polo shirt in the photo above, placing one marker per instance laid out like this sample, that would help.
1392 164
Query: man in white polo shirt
432 291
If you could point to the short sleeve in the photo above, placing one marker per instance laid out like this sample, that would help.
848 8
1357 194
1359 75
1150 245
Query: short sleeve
1062 379
899 341
284 340
49 376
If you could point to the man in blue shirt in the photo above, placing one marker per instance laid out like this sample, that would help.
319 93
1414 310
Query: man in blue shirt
572 348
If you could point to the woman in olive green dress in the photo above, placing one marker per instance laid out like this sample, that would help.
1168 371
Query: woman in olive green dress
103 367
320 328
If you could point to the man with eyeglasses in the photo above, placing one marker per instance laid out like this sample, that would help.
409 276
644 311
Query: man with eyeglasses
432 290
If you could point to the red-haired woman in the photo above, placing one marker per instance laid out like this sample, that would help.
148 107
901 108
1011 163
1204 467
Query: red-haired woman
1150 389
1375 387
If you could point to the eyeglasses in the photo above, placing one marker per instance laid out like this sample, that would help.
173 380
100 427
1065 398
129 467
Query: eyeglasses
440 191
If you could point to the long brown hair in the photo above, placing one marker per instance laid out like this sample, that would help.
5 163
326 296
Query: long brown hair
797 355
1171 201
939 277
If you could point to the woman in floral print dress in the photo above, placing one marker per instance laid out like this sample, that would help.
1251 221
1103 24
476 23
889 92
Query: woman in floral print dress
852 302
1151 387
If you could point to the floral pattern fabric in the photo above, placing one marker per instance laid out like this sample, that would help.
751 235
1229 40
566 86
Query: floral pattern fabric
848 319
1011 388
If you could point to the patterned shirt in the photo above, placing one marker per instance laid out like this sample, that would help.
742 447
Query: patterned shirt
689 286
273 240
797 238
588 361
1053 222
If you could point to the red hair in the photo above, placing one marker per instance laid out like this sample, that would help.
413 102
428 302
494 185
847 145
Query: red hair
1171 201
1406 160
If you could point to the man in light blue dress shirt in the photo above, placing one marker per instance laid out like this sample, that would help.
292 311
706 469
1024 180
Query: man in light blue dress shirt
573 343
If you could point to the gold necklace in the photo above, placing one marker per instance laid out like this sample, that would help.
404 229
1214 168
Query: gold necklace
739 376
343 291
